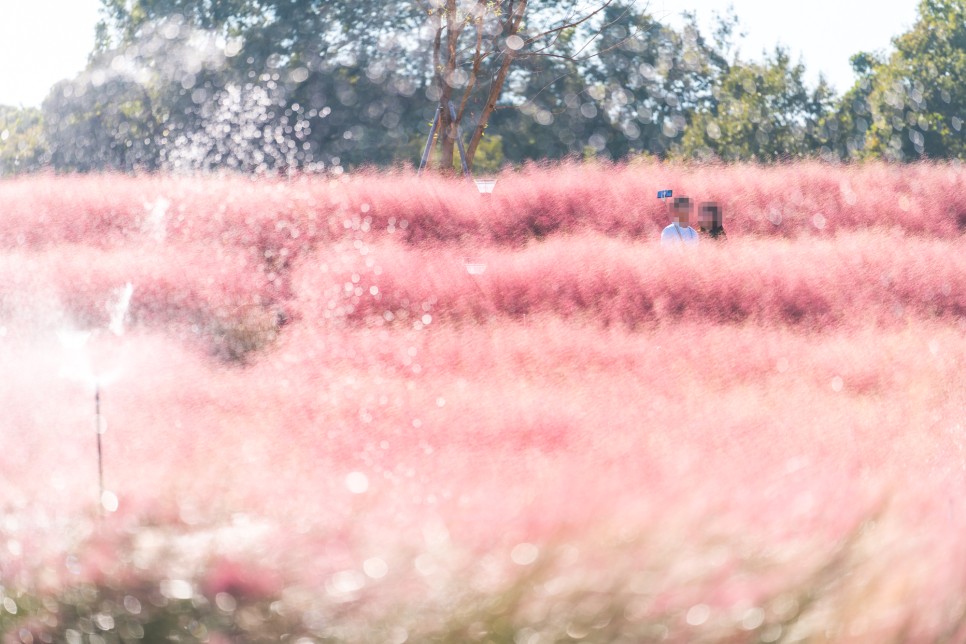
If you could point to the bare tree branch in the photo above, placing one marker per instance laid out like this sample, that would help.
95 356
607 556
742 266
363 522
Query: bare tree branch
569 25
450 58
496 87
471 84
446 123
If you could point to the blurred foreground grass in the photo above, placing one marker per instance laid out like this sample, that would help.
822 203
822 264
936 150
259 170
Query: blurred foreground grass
616 587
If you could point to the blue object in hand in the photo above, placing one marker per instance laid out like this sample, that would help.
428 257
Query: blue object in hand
664 194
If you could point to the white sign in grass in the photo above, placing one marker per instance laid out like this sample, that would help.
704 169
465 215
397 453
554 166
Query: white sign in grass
485 186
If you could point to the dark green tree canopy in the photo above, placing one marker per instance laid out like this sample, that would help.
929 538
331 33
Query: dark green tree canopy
761 111
21 140
277 85
916 98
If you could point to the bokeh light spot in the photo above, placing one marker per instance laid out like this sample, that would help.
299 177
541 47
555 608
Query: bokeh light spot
357 482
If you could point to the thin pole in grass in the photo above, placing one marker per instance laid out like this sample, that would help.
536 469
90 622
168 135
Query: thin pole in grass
100 453
429 142
431 139
106 500
78 365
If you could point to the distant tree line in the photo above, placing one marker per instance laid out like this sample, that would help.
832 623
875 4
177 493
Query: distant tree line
282 85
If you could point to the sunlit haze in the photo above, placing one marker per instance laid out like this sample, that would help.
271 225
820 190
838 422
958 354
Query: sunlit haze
44 41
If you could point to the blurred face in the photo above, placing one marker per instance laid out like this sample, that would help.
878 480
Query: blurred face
709 215
682 216
705 220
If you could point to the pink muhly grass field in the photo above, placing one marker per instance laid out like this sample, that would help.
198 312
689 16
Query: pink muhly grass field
795 200
588 437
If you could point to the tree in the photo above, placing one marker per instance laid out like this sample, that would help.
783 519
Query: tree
634 94
22 146
447 50
549 113
651 81
917 97
473 70
761 111
354 105
354 82
842 133
170 101
131 102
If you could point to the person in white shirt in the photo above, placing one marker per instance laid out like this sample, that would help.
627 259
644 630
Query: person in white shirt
680 231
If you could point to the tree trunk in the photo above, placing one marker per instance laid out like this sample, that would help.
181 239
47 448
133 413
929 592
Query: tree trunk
511 27
447 127
444 70
491 99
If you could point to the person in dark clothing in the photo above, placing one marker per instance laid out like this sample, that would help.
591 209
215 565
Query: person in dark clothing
709 220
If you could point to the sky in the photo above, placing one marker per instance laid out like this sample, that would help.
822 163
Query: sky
44 41
824 34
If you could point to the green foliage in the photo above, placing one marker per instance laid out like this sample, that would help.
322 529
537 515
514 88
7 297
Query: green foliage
364 90
842 132
489 155
761 111
114 128
635 97
124 20
917 97
647 82
590 603
22 147
139 610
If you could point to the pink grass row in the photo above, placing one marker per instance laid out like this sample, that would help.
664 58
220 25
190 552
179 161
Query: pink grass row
582 413
809 199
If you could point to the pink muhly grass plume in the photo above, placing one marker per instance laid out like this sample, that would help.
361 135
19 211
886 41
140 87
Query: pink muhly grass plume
379 397
854 279
805 199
